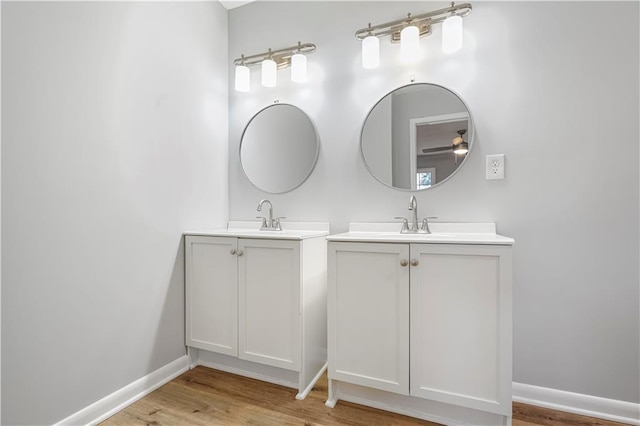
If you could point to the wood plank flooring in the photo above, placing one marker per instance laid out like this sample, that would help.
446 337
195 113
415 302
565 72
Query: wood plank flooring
203 396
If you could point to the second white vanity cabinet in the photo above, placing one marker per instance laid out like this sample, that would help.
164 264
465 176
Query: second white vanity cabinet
422 325
368 316
256 303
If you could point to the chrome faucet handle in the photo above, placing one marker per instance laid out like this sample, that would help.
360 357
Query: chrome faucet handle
264 222
425 224
405 224
276 223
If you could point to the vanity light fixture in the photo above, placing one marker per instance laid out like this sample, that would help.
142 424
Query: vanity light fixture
459 144
452 34
271 61
370 52
408 30
410 43
243 78
298 68
269 72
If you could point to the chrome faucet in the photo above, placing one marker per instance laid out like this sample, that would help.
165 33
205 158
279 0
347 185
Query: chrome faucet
413 228
266 223
413 207
269 224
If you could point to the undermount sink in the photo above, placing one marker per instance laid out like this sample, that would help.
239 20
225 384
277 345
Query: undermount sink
418 235
444 233
251 229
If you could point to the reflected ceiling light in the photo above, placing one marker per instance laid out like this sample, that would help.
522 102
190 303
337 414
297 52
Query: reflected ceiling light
370 52
271 61
452 34
404 31
463 148
459 144
243 78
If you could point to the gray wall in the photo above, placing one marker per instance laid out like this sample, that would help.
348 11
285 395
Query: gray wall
553 86
114 140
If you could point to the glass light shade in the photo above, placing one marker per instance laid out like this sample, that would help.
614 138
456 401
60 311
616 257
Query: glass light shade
269 73
370 52
410 44
452 34
298 68
462 148
243 78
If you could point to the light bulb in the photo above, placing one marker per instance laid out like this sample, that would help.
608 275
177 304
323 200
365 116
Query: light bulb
452 34
410 44
461 148
370 52
298 68
269 73
243 78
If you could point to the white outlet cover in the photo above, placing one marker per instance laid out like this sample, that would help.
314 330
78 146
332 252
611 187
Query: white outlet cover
495 167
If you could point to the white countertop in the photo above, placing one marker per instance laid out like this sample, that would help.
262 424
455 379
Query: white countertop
441 233
251 229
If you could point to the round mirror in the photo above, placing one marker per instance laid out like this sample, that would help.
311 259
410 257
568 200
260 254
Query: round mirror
416 137
279 148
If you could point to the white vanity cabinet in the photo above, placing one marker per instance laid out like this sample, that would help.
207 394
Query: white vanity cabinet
269 308
256 303
461 325
369 315
211 280
422 325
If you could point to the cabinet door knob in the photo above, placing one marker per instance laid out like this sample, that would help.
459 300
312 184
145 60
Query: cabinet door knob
233 251
414 262
240 252
403 263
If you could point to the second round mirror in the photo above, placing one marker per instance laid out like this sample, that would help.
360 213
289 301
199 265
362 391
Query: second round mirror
417 136
279 148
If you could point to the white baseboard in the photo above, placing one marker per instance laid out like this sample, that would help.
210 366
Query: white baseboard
585 405
111 404
306 391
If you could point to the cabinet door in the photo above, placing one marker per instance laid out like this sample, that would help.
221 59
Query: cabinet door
269 308
211 294
461 325
368 309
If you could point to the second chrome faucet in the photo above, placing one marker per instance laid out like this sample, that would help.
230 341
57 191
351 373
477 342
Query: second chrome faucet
414 228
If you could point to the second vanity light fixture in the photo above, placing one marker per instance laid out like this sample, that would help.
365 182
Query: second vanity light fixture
271 61
408 31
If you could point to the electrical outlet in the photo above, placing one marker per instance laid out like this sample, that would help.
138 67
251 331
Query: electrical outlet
495 166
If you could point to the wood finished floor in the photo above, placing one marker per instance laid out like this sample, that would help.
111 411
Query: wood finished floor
203 396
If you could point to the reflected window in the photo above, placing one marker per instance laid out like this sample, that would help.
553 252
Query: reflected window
425 177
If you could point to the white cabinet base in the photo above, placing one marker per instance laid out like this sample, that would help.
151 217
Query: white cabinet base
425 409
303 382
433 314
256 303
